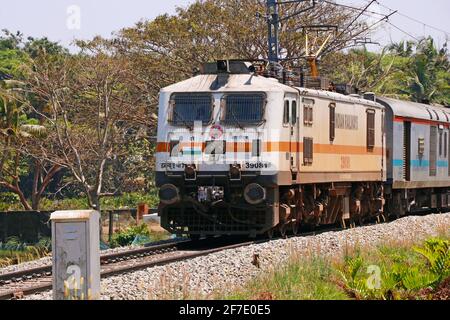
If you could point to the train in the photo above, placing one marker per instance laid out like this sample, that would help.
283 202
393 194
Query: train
241 151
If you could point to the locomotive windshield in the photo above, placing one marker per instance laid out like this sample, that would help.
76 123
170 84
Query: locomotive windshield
191 107
243 108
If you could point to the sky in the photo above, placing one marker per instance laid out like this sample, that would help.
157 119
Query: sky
66 20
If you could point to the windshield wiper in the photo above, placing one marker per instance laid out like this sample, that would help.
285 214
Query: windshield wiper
187 124
236 120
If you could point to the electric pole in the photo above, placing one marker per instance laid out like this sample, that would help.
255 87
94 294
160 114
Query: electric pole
273 26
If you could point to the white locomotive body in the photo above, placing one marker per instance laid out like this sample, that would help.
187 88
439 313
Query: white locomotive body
239 153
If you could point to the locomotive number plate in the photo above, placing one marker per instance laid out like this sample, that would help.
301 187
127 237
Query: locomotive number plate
345 163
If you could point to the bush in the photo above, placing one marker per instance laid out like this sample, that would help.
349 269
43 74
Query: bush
14 251
130 200
126 237
404 272
8 201
437 253
124 201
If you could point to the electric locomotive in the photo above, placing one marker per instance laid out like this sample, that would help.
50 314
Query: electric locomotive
240 153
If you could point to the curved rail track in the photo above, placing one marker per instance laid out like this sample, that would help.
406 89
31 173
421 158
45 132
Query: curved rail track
16 285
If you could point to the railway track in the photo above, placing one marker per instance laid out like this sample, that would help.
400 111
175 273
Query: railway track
16 285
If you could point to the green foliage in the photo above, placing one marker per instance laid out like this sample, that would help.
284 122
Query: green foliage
306 279
403 272
437 253
8 200
14 251
131 200
390 272
127 236
64 204
416 71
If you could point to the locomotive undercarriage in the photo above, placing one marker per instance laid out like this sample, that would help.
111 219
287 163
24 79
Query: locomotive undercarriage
401 202
329 204
285 209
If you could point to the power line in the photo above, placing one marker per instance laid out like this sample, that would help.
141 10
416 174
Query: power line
367 12
415 20
383 19
349 25
403 31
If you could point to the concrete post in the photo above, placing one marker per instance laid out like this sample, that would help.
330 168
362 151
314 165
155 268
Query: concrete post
76 255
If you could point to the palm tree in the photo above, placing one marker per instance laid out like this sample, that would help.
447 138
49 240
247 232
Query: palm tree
425 71
14 129
402 48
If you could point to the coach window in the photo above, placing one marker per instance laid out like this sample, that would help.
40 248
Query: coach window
448 156
370 129
332 121
308 151
445 144
308 105
286 113
433 151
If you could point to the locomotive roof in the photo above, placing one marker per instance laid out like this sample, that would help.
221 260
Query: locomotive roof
416 110
233 82
252 83
338 97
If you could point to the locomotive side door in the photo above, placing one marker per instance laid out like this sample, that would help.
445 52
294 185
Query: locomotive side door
291 104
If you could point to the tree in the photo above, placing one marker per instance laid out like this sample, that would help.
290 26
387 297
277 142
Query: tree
416 71
168 48
428 77
17 126
92 113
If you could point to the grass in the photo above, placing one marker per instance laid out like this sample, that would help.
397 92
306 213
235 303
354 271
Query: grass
137 234
311 279
13 252
392 271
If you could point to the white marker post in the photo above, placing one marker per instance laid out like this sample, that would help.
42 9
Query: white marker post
76 255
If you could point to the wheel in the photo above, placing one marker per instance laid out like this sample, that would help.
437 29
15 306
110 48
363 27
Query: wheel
283 230
343 224
270 234
295 227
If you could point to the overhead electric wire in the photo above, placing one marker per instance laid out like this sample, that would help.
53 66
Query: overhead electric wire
385 19
413 19
352 8
349 25
403 31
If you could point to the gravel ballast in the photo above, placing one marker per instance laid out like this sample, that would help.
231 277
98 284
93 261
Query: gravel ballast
229 270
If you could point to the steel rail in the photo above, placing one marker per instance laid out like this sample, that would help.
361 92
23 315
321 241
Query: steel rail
21 289
19 279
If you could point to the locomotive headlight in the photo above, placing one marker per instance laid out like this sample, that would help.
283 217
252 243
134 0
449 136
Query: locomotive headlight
169 194
235 172
254 194
190 172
